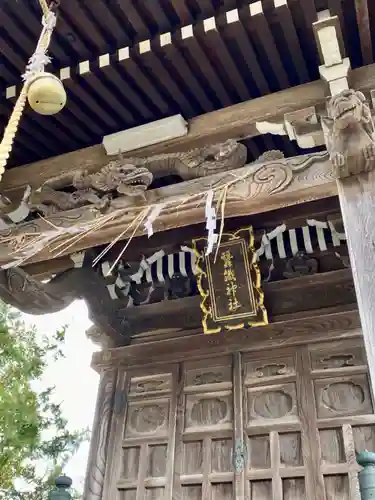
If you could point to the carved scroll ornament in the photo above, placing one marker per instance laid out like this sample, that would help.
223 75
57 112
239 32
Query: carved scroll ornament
350 134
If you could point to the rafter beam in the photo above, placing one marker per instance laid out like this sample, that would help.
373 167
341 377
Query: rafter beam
247 119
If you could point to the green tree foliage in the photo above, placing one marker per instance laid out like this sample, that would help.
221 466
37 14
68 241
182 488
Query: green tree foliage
35 442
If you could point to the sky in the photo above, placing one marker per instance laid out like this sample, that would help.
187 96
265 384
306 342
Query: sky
76 382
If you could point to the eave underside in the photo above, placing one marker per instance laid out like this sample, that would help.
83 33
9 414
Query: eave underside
166 75
206 63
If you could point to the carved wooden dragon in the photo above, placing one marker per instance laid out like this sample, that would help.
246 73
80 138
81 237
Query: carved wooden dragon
94 189
132 176
350 134
195 163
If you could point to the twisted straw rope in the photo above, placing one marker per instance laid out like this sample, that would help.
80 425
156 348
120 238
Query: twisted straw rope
14 120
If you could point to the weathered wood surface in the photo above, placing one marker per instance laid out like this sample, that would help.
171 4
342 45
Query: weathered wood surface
328 208
351 144
115 433
283 299
96 467
236 122
252 189
276 423
324 326
357 198
309 433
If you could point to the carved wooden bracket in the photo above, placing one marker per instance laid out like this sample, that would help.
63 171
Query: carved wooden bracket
349 128
304 127
250 189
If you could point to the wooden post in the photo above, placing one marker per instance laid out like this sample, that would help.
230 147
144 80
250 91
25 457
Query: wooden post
96 467
350 138
357 199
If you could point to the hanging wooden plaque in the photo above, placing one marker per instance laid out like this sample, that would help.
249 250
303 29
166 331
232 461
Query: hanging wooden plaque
229 283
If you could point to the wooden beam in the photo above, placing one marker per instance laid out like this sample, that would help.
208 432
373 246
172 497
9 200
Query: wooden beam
171 240
249 190
291 332
95 472
284 299
238 121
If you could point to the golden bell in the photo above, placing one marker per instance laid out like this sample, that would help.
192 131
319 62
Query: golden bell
46 94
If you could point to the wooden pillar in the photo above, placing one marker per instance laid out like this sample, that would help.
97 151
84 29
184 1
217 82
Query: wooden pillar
357 199
350 138
96 467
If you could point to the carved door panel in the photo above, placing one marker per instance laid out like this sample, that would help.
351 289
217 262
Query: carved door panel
204 438
276 452
283 424
344 414
145 437
307 412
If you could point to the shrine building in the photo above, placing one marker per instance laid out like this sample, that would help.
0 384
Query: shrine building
201 173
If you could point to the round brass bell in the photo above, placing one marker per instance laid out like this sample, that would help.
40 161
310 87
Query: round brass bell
46 94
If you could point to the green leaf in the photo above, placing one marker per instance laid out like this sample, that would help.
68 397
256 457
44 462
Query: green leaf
27 415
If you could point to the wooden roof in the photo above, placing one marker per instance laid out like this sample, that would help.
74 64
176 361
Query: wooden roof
125 62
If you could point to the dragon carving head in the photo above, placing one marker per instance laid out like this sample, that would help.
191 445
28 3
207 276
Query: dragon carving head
224 150
349 108
134 180
127 178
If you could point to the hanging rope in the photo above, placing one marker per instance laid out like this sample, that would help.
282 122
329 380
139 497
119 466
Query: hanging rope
36 64
45 8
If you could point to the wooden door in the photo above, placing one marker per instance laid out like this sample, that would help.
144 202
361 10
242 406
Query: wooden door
204 466
307 412
284 424
143 437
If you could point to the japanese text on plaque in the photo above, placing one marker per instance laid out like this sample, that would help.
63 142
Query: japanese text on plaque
230 281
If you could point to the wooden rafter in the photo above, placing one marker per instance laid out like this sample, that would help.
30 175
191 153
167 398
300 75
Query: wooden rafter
238 121
365 36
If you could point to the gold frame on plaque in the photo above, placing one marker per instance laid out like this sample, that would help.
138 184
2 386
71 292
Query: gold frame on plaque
213 321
